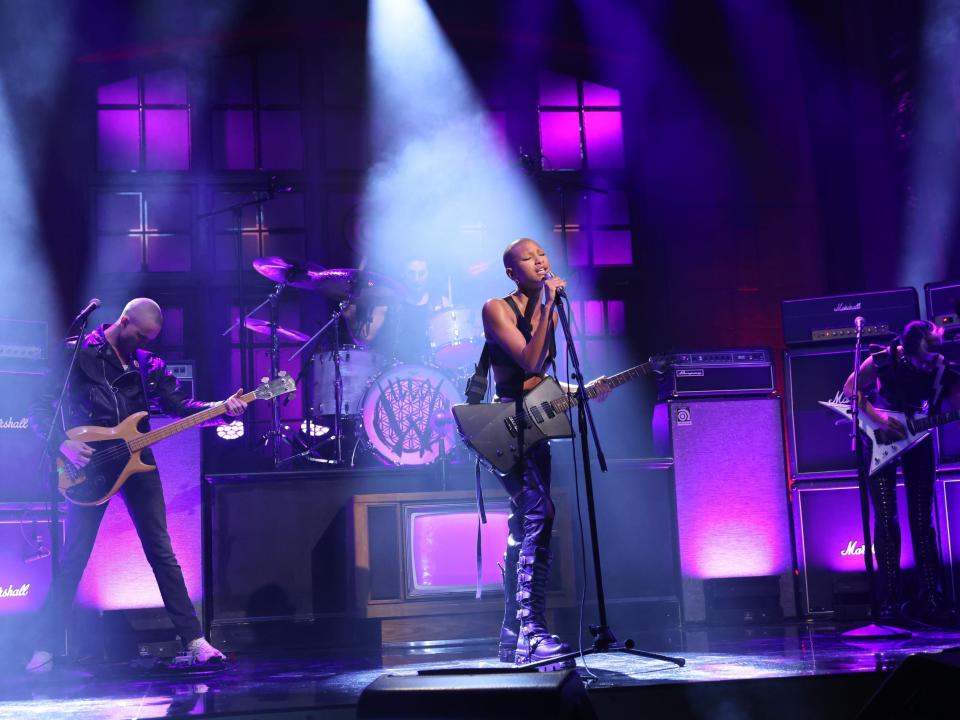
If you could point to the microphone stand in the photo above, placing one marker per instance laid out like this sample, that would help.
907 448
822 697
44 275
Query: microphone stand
46 455
604 639
876 629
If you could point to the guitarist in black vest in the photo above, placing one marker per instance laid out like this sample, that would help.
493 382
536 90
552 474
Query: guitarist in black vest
910 376
519 330
112 379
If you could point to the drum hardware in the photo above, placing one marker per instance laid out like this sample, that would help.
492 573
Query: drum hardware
265 327
455 337
345 285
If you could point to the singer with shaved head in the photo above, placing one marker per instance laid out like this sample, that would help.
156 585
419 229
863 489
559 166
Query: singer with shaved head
519 330
113 378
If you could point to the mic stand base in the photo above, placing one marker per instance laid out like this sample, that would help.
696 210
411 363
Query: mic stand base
875 631
604 642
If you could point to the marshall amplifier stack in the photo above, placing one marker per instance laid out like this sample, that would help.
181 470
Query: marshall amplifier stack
820 334
735 371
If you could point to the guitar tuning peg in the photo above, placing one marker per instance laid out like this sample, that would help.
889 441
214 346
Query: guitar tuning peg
282 373
264 379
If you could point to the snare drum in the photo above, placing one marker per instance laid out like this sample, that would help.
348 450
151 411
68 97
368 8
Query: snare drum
456 337
357 366
406 414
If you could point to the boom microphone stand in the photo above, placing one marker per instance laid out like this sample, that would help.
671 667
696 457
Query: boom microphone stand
604 639
46 454
875 630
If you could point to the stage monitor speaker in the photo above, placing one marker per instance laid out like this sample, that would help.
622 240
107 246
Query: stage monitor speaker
923 686
818 438
731 493
504 695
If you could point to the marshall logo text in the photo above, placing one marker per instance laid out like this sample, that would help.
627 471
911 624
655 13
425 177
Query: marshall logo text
854 547
847 307
11 592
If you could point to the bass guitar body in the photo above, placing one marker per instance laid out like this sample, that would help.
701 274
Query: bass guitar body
109 467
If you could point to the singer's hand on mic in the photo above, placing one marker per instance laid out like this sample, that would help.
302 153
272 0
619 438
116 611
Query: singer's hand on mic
551 285
76 452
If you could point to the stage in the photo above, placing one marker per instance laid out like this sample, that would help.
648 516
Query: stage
784 671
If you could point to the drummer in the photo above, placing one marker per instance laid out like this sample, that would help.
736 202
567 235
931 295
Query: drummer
400 330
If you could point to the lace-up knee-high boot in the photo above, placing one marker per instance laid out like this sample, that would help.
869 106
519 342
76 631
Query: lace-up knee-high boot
534 641
511 621
886 543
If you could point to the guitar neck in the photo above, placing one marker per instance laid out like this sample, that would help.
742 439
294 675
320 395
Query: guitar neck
932 421
637 371
154 436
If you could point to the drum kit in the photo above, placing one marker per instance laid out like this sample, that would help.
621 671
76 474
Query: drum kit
366 401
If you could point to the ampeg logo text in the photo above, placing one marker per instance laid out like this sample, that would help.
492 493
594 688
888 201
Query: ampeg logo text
11 424
11 592
689 373
847 307
683 416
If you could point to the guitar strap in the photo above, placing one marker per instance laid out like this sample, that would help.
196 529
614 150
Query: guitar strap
938 384
476 390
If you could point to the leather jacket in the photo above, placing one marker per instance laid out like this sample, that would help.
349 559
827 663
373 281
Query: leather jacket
102 393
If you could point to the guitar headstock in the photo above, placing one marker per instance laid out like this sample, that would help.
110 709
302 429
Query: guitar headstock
280 385
660 363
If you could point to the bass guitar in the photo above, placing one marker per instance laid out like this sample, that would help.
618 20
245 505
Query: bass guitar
885 449
499 435
116 450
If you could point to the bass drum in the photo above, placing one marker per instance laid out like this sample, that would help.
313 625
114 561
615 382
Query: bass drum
406 414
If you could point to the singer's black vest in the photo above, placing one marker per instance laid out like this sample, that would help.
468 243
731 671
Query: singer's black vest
512 386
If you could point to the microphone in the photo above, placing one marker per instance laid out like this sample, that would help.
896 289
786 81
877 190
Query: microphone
88 310
561 292
529 163
275 187
858 322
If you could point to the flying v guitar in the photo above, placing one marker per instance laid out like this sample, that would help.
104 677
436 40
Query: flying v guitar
116 450
884 449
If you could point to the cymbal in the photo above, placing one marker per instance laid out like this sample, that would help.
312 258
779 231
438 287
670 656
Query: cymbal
372 287
263 327
289 271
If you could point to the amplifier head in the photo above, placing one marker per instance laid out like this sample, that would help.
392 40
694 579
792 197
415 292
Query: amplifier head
830 318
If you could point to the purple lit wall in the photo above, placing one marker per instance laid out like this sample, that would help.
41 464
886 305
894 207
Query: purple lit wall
441 543
118 575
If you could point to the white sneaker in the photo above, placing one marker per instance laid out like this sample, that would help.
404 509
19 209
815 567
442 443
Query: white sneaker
202 652
41 662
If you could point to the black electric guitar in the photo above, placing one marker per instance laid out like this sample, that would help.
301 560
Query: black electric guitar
492 430
116 450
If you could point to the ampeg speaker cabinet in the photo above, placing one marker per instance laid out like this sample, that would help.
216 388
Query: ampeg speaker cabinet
829 318
829 537
737 371
731 488
943 306
818 438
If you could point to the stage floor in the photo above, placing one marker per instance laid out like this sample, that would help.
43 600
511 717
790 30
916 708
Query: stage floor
724 663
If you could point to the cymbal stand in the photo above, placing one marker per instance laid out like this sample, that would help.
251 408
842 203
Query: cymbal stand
274 436
334 321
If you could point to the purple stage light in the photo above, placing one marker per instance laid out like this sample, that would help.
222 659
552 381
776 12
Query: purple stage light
167 139
118 139
560 140
122 92
603 131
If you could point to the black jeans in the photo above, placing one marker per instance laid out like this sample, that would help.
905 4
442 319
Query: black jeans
531 509
143 495
918 475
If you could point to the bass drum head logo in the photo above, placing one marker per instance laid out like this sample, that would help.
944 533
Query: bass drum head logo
683 416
